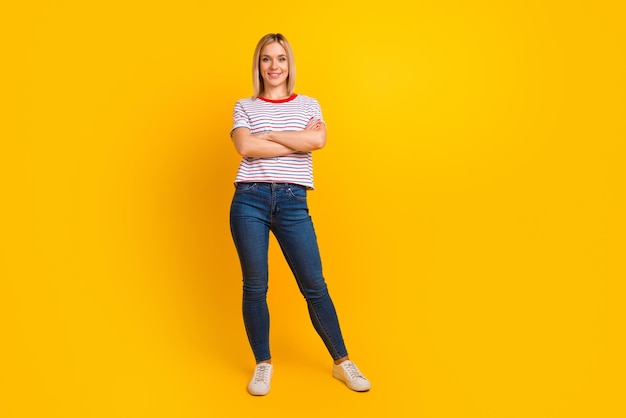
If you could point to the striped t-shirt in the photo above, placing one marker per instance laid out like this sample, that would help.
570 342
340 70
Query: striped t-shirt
261 115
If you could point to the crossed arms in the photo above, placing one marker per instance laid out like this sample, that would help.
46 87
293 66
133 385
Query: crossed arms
277 144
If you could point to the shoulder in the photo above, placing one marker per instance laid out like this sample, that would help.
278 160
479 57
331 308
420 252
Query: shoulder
244 102
248 105
308 101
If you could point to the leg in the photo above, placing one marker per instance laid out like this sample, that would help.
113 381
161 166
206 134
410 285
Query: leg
250 230
295 233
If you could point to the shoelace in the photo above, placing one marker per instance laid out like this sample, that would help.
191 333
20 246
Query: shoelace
352 370
262 373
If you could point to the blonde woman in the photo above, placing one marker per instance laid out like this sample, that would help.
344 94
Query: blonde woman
275 132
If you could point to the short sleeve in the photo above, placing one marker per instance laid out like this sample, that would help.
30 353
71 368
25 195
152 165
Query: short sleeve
316 110
240 117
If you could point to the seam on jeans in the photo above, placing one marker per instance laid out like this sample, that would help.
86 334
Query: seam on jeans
335 353
293 195
254 346
251 186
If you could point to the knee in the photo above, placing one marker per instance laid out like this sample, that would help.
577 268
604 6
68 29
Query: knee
253 291
318 292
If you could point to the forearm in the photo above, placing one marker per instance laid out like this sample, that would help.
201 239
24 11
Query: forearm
257 146
301 141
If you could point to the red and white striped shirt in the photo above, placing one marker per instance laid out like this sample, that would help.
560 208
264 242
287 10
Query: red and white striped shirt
261 115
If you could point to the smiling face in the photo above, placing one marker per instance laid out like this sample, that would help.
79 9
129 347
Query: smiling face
274 68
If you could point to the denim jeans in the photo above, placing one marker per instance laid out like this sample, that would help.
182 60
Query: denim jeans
257 209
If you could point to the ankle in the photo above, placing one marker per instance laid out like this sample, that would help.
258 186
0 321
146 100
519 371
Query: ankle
341 360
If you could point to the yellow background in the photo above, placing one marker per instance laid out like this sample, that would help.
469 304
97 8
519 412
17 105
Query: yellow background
469 207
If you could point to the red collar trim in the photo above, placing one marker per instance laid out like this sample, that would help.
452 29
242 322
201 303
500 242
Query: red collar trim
288 99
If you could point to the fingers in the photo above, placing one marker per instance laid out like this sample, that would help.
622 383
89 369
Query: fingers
313 124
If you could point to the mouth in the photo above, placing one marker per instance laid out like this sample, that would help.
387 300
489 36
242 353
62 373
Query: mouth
274 75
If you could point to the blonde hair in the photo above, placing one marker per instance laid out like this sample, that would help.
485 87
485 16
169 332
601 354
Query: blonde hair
257 79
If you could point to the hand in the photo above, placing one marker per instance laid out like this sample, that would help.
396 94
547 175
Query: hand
314 124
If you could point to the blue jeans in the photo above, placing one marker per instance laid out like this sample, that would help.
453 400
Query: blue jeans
257 209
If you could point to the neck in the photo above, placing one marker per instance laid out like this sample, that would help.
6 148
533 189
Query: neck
275 93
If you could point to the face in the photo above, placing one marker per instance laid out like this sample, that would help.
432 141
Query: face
274 65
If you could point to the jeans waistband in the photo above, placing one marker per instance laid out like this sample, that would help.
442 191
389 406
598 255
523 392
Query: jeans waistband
276 185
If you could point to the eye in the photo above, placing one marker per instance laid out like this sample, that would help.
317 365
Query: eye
265 59
282 59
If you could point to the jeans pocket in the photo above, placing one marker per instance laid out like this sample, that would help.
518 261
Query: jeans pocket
245 187
297 192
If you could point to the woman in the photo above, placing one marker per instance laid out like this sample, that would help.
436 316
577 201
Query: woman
275 132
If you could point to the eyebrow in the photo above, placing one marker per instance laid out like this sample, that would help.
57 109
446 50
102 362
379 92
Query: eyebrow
269 56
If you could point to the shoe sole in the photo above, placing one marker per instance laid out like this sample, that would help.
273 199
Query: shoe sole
253 393
340 378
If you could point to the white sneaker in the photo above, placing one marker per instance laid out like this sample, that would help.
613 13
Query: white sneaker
260 383
347 372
